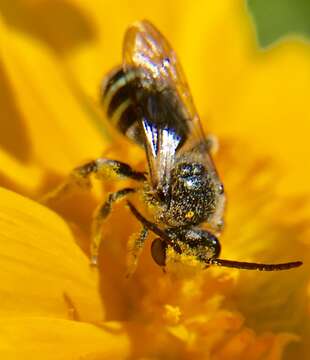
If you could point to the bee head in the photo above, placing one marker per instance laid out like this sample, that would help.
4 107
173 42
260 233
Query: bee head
200 243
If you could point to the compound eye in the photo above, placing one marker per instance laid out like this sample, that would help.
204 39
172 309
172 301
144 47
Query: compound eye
210 245
158 251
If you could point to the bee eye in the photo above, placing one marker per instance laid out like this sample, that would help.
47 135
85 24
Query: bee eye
203 242
158 251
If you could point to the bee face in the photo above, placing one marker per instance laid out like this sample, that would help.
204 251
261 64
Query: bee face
199 243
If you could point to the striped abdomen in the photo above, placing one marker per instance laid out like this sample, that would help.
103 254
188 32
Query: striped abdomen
139 110
119 93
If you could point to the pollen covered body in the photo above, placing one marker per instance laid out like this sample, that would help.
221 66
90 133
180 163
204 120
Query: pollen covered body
148 100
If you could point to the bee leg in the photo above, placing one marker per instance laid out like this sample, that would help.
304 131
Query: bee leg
106 168
134 249
99 217
101 168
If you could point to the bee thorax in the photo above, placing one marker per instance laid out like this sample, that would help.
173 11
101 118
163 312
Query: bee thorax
192 196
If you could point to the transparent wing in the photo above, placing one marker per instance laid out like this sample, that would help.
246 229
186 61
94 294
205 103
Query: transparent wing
170 121
147 49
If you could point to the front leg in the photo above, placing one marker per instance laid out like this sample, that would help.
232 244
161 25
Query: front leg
99 217
134 249
102 169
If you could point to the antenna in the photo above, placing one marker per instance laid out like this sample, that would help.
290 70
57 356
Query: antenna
254 266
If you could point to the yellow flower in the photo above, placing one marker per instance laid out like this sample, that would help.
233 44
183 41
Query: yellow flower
53 305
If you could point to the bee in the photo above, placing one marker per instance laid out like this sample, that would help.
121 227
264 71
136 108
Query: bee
148 100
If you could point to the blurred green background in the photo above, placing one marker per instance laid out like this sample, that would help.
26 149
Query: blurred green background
275 19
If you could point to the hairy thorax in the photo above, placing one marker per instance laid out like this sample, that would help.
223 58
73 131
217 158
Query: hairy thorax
190 200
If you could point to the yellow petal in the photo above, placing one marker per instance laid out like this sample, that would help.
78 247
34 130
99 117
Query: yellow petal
57 339
246 345
271 107
56 122
215 47
43 271
19 176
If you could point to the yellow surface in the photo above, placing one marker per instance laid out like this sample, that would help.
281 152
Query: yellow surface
53 57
